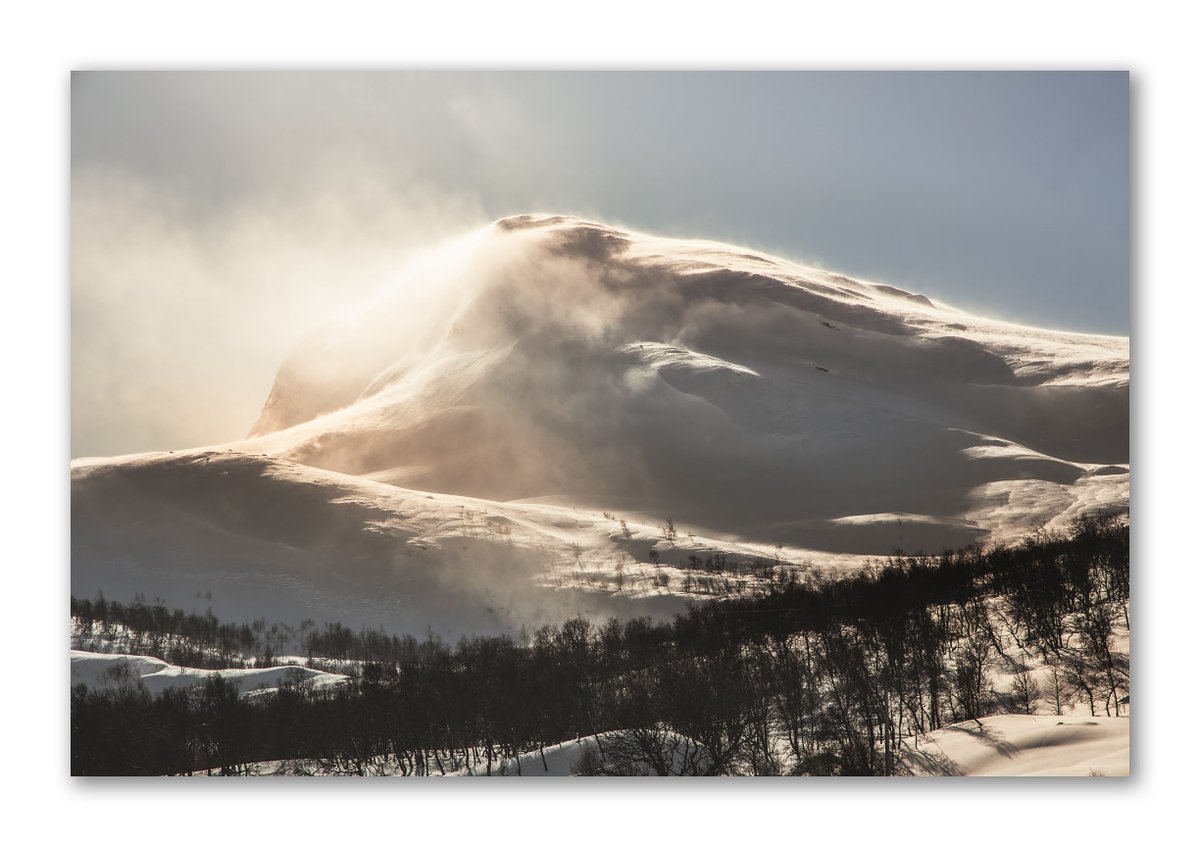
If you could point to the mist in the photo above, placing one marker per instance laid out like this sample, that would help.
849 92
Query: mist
220 218
495 433
611 370
179 323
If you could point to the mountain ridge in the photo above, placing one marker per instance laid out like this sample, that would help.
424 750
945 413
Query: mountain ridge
760 403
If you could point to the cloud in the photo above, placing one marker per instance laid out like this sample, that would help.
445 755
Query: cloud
180 318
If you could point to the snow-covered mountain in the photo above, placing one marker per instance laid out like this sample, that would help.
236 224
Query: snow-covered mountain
509 433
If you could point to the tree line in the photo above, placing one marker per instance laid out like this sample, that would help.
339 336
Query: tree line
817 676
202 641
182 638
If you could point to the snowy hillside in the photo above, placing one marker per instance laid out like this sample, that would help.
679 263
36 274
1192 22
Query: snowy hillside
259 536
1024 745
105 670
447 455
1001 745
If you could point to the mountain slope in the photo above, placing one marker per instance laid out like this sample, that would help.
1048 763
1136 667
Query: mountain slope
547 369
571 359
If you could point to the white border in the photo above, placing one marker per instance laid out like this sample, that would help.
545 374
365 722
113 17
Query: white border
43 42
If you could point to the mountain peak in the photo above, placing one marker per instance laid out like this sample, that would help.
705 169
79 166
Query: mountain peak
557 355
477 418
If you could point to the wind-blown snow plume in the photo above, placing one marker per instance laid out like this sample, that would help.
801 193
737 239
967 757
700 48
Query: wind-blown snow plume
565 362
568 358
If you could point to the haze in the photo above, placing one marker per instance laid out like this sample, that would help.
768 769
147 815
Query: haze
218 218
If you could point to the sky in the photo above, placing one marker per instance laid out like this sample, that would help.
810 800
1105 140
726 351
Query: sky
217 217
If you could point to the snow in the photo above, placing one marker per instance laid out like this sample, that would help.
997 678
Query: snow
108 670
560 759
660 356
447 464
1025 745
566 758
1000 745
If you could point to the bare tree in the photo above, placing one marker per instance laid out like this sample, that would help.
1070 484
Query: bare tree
1058 696
1025 692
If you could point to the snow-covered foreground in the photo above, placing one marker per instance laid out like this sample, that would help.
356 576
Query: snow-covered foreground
106 670
586 756
559 760
1000 745
567 758
1024 745
550 416
600 755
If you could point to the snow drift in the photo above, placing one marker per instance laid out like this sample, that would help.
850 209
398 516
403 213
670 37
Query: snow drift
1024 745
546 369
